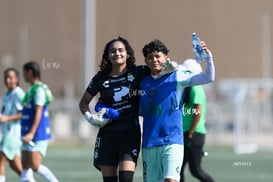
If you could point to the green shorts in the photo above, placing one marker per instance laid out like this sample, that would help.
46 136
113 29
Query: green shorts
39 146
10 146
162 162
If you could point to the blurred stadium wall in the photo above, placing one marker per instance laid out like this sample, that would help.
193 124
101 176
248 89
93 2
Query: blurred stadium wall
67 38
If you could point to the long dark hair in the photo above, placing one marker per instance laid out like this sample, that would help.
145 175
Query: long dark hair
34 67
106 64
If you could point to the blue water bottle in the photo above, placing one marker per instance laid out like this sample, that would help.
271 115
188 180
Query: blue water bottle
199 53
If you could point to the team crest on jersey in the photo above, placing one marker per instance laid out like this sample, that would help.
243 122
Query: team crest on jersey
130 77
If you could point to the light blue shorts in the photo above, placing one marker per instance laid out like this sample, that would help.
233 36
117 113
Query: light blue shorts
10 146
39 146
162 162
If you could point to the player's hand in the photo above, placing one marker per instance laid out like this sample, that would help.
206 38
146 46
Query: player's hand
204 47
3 118
28 138
106 111
191 134
169 67
96 119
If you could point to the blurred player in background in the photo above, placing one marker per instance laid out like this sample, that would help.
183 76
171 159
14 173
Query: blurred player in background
118 141
35 129
11 112
194 118
160 106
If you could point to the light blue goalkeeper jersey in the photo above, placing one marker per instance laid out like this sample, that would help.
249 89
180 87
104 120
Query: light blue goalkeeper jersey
11 105
161 105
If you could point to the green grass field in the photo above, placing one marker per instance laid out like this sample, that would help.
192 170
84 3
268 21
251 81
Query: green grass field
74 163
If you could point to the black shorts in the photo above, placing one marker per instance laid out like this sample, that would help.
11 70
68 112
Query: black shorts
114 147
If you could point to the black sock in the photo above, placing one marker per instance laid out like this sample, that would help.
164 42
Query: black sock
126 176
110 179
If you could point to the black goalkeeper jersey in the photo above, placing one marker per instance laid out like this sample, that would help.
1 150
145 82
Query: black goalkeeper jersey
121 93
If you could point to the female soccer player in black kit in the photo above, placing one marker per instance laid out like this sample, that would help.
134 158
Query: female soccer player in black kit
118 142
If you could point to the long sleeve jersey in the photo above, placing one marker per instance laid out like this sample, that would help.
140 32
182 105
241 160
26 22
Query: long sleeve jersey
161 106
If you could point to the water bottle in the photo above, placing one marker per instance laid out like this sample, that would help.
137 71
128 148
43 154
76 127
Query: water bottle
199 53
110 113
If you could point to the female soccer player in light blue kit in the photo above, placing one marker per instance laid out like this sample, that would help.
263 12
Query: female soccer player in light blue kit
161 108
35 129
10 145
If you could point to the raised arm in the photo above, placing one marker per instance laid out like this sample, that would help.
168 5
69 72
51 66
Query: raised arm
208 75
